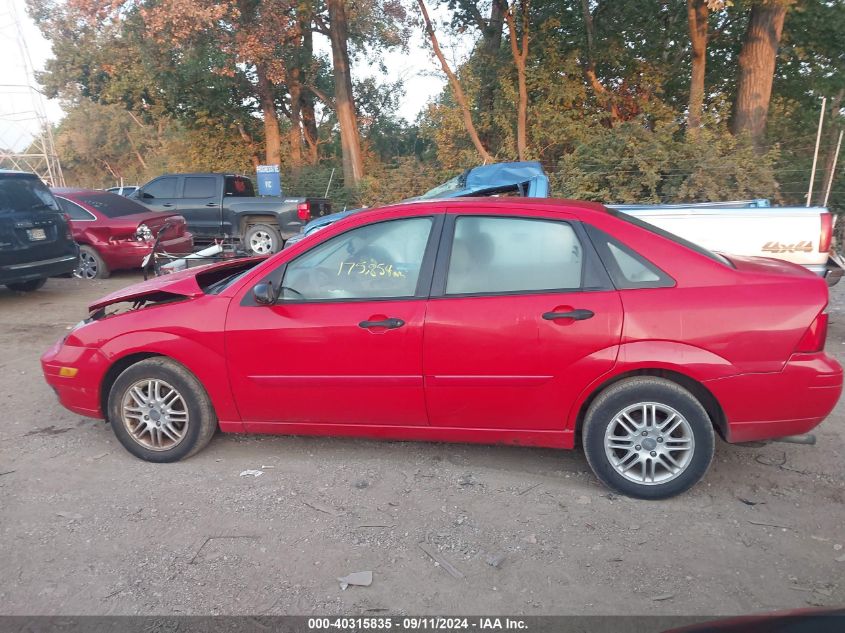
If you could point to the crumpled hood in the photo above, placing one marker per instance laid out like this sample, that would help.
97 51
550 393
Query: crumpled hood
181 284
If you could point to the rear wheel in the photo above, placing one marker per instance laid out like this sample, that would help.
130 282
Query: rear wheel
160 412
648 437
27 286
91 265
263 239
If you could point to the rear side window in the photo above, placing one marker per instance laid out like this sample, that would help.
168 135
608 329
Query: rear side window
627 268
111 205
74 211
239 186
161 188
493 255
199 187
22 193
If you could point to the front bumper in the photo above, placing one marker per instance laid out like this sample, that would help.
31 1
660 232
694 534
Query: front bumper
80 393
771 405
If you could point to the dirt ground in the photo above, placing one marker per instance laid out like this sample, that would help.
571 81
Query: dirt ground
87 529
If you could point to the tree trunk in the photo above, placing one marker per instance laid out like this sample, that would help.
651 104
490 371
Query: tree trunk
589 65
353 161
306 100
251 142
520 55
697 13
456 87
295 133
757 69
272 135
491 45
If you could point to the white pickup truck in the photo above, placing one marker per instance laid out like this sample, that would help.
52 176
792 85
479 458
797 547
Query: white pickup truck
801 235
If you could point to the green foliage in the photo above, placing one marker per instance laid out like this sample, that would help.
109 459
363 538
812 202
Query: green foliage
635 163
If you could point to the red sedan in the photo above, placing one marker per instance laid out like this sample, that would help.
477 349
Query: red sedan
533 322
115 233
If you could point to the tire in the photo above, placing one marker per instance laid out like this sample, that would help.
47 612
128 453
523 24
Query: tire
262 239
27 286
192 421
677 426
91 265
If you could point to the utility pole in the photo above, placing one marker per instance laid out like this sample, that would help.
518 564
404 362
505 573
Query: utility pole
816 153
26 136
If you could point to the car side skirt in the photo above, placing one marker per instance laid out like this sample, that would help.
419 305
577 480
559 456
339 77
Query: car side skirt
511 437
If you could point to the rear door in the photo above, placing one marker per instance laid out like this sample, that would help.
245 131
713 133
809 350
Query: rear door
32 227
522 318
200 205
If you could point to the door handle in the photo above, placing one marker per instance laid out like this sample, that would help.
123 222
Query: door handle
211 204
390 324
577 315
167 204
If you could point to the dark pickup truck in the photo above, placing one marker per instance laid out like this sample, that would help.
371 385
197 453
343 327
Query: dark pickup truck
225 206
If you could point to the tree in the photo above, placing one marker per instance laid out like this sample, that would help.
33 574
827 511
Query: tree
457 90
757 68
519 51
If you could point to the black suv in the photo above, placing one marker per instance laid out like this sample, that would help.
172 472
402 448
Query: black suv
35 238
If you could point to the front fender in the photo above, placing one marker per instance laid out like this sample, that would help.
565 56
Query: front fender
206 363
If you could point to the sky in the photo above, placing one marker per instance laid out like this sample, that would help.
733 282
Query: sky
416 66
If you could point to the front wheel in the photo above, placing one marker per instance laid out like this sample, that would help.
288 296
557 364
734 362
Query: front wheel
160 412
27 286
263 239
648 437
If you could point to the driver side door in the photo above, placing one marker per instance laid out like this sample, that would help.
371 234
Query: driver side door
343 343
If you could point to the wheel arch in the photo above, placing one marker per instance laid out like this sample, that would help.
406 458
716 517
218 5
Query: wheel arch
117 368
207 365
259 217
696 388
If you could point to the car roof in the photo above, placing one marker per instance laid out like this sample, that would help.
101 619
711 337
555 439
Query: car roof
68 191
560 204
15 172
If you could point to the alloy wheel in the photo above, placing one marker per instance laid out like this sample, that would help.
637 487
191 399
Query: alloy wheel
155 414
649 443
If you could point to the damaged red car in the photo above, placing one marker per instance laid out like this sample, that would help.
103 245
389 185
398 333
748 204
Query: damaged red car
533 322
116 233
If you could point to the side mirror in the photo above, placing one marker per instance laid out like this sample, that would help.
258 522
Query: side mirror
264 293
144 195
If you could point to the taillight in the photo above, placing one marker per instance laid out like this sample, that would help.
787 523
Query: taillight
304 212
827 232
68 230
815 336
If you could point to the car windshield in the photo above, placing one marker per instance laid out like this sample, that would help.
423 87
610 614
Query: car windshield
671 236
110 205
25 193
456 184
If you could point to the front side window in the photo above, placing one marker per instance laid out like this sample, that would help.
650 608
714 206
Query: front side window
161 188
377 261
505 255
199 187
